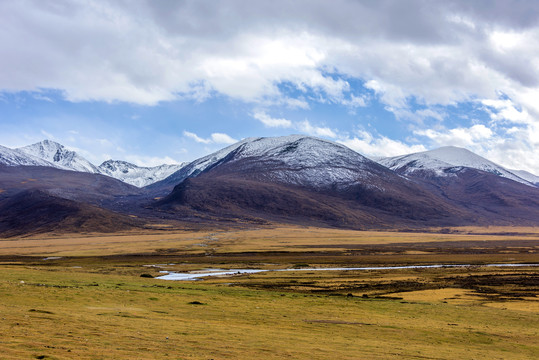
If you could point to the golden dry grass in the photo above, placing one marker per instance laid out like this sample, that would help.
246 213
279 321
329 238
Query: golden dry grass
529 304
286 238
451 295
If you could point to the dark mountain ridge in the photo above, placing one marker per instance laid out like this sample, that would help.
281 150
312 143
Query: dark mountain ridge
34 212
319 182
293 179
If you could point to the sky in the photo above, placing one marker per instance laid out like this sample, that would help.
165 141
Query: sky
154 82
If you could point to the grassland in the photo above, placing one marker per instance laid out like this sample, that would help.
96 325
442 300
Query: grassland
268 239
92 303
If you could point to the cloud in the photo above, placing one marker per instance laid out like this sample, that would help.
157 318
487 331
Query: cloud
303 126
272 122
505 110
195 137
465 137
220 138
367 144
306 127
47 135
354 101
295 103
149 161
146 52
215 138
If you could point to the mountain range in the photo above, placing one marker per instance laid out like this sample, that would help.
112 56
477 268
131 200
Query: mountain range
52 154
295 179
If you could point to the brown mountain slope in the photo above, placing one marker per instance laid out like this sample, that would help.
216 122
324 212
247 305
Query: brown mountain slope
229 197
494 199
85 187
34 211
309 181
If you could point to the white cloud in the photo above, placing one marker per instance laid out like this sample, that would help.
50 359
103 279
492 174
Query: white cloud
195 137
355 101
429 113
272 122
149 161
306 127
146 52
47 135
366 144
302 126
215 138
220 138
296 103
465 137
391 95
505 110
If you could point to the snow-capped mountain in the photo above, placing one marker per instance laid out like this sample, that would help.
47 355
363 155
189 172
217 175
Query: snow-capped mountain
290 179
298 177
137 175
295 159
444 161
52 154
534 179
59 156
302 160
12 157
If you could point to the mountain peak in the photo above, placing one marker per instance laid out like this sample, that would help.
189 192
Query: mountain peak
438 161
114 164
46 146
50 153
49 143
458 156
13 157
294 159
136 175
298 145
59 156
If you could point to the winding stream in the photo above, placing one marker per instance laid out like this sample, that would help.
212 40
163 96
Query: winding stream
198 275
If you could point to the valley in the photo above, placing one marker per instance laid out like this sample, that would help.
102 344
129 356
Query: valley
92 296
325 254
303 180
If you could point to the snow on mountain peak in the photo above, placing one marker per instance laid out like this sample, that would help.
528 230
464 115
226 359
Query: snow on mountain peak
294 159
299 150
52 154
112 166
439 160
457 156
534 179
137 175
261 146
59 156
12 157
307 161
